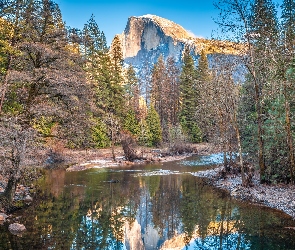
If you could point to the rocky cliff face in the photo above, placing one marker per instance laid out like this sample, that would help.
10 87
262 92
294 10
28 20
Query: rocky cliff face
147 37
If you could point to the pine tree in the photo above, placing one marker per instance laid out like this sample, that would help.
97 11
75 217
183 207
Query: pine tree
94 41
288 23
188 98
131 123
132 90
106 95
143 138
158 84
153 127
98 68
264 26
203 88
173 104
203 69
99 134
264 23
160 95
289 94
117 104
105 70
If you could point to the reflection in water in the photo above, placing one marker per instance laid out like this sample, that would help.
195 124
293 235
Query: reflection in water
146 210
231 242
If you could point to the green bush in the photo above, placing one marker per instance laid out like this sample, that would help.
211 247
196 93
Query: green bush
99 134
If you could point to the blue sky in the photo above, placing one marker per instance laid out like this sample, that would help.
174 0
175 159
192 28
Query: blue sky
112 15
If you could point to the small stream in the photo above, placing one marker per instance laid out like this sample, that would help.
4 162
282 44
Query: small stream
145 207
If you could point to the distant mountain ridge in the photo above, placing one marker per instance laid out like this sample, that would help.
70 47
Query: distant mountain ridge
147 37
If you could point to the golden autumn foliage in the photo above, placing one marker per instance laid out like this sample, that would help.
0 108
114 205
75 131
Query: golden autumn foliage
6 35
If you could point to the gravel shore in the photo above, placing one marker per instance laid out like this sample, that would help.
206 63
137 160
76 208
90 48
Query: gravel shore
281 196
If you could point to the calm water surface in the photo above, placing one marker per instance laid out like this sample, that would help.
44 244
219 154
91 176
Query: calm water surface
160 206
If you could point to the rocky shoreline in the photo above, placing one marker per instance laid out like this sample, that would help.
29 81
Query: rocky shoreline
280 196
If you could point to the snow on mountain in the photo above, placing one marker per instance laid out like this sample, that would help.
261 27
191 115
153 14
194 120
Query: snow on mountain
147 37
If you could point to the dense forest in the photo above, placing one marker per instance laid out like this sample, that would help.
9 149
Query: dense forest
65 88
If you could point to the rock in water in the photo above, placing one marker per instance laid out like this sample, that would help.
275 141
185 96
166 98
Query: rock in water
16 228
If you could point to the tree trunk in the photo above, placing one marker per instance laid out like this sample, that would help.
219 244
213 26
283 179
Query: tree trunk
238 136
241 157
261 158
113 146
261 150
257 97
10 189
224 143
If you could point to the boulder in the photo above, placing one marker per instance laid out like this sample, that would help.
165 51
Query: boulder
2 218
28 199
16 228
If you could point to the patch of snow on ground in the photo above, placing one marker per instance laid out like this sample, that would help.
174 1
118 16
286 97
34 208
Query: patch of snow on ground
157 172
279 196
205 160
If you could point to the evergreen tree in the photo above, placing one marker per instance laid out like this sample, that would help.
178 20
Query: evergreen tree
160 95
203 75
99 134
94 41
107 102
264 23
165 93
173 91
288 23
203 89
189 97
105 70
116 90
264 28
132 90
158 84
143 137
153 127
131 123
98 68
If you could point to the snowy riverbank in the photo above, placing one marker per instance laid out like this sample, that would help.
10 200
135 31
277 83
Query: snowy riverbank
281 196
103 158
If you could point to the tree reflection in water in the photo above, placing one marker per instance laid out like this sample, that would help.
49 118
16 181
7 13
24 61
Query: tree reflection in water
143 212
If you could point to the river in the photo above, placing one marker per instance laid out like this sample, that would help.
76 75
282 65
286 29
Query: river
144 207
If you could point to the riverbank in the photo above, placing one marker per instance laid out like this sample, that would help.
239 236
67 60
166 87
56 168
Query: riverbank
280 196
82 160
79 160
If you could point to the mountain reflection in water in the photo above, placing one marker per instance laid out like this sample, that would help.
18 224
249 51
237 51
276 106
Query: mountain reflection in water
151 207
